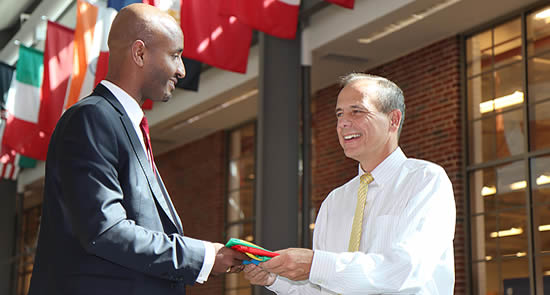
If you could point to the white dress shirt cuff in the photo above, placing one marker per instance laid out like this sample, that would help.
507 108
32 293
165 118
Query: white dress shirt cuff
323 267
279 286
209 258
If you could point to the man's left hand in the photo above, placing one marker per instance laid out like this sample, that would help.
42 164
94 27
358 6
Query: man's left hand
292 263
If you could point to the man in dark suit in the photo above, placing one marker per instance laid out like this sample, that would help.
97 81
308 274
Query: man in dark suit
108 224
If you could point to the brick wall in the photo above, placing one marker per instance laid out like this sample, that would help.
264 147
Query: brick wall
430 80
195 178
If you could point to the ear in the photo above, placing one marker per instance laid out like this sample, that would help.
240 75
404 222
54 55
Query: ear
395 118
138 52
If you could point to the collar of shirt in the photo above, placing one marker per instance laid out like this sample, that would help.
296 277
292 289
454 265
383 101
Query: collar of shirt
130 105
386 170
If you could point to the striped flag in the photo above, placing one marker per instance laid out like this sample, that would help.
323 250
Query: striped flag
23 107
10 161
91 54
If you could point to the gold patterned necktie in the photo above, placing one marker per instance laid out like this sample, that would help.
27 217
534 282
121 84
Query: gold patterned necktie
356 229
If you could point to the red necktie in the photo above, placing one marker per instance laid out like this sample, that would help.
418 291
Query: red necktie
144 126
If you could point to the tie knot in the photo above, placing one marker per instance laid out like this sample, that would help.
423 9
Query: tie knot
366 178
144 125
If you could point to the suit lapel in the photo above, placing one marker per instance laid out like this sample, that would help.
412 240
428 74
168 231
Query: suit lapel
158 194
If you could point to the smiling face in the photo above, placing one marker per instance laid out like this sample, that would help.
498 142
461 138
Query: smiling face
366 134
164 65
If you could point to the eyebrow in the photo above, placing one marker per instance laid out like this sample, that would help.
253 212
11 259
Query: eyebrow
352 107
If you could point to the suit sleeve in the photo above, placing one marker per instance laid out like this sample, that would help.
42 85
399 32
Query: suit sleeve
88 152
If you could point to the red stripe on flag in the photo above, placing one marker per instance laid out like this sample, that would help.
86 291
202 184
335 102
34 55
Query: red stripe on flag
26 138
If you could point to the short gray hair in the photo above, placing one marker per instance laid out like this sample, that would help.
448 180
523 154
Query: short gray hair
390 96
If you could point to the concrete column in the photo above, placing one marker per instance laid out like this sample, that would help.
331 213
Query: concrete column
277 143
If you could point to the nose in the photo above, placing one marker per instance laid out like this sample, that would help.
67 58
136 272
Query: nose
180 71
344 121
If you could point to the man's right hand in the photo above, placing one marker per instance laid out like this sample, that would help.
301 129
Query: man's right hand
257 276
227 260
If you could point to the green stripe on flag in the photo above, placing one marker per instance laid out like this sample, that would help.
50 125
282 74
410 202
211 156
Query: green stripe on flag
25 162
30 66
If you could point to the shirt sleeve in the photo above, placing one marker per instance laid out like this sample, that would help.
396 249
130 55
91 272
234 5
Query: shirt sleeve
283 285
209 257
417 241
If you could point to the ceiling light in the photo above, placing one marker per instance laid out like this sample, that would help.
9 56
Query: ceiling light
543 179
544 227
488 191
507 232
501 102
518 185
543 14
488 258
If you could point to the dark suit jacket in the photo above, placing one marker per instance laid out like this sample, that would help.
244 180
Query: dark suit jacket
107 227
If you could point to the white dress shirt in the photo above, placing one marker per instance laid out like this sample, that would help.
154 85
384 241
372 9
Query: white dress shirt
407 240
135 113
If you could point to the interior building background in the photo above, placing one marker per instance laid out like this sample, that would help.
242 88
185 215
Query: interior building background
476 81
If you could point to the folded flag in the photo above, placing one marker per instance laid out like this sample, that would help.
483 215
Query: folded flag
257 253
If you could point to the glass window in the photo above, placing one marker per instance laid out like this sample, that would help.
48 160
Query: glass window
506 177
240 197
538 31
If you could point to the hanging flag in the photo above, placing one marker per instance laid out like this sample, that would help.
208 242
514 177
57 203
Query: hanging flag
91 55
22 132
10 161
278 18
344 3
58 66
220 41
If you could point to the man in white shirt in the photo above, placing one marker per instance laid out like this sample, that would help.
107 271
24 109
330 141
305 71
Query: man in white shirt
406 229
108 225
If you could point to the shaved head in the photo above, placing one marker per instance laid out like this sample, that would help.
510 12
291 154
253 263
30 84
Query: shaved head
142 37
138 22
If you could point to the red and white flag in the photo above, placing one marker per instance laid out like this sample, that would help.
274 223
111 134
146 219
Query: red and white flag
278 18
218 40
